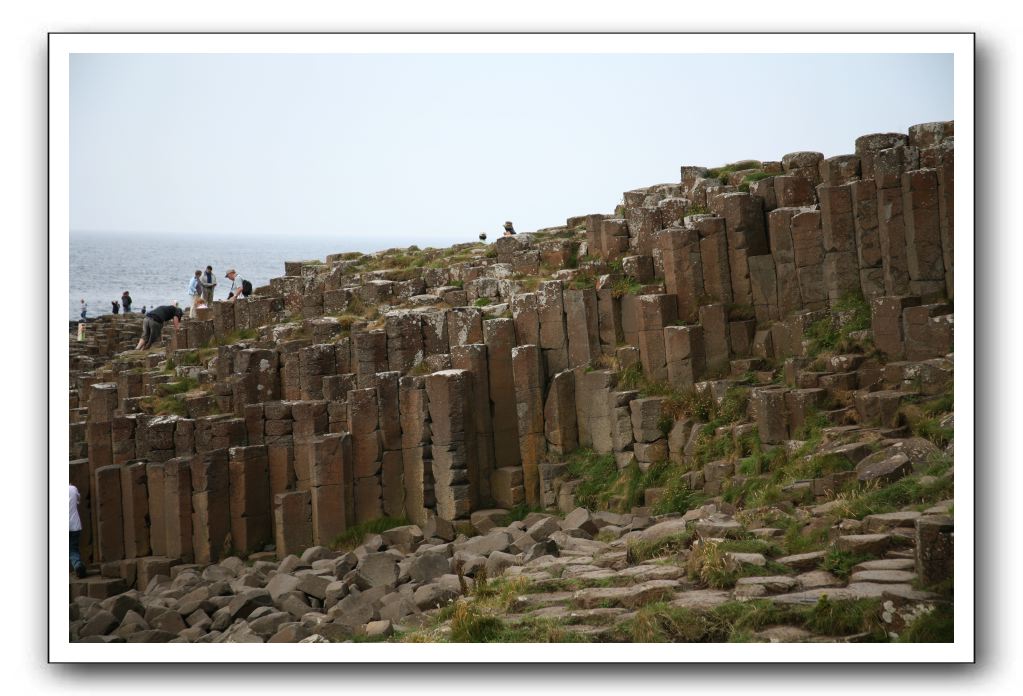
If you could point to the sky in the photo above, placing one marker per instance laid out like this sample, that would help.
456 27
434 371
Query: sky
434 149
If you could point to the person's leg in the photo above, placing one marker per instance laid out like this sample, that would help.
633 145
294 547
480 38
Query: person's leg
143 342
75 555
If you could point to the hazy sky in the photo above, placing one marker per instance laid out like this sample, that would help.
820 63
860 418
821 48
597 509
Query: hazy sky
414 149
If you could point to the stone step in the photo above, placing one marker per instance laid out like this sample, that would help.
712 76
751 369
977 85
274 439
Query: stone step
883 576
631 596
885 564
525 602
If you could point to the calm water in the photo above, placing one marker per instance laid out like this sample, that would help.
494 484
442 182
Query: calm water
156 269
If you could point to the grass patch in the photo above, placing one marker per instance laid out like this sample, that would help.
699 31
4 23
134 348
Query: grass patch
722 173
659 622
712 566
941 405
737 621
671 545
173 405
930 429
350 538
519 512
756 176
677 496
603 486
833 332
936 626
812 429
597 474
477 619
751 545
799 540
625 285
188 358
482 302
183 385
840 563
845 617
893 497
469 624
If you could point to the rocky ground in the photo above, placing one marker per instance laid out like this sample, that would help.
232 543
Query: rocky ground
702 576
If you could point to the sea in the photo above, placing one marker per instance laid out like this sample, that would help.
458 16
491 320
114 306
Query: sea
156 268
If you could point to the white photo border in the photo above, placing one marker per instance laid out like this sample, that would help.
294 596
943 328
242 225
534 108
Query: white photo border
63 45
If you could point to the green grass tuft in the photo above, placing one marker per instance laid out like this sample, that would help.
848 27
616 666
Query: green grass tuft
352 537
936 626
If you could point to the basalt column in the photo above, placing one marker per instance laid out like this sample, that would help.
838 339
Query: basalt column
530 382
455 461
473 359
499 336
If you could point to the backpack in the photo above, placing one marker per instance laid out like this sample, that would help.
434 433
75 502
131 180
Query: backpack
246 288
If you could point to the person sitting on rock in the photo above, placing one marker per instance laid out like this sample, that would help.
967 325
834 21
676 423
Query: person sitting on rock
509 229
152 325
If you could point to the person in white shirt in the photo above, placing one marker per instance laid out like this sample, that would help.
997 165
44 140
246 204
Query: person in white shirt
75 527
239 286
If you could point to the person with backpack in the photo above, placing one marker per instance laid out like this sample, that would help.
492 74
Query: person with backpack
126 301
152 325
239 286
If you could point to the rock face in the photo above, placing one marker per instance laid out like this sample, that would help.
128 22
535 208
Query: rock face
444 390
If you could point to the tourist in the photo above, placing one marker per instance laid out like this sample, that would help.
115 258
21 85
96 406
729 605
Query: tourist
239 286
75 527
195 291
152 325
509 229
84 308
209 281
115 306
126 301
143 309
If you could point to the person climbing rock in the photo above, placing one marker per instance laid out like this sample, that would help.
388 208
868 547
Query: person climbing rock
152 325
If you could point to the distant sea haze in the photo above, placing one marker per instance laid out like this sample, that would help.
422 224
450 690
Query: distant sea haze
156 268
